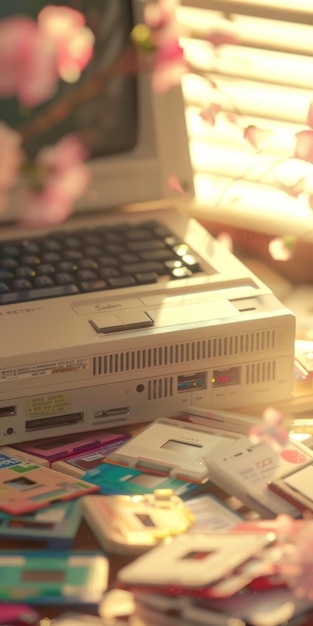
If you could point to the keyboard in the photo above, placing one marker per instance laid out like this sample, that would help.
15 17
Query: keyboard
89 260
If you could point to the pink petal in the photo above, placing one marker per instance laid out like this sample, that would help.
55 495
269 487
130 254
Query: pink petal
219 38
310 115
273 417
257 136
226 240
173 183
304 145
278 250
257 434
209 114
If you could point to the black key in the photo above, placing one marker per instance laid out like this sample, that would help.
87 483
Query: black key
149 244
157 255
72 255
20 284
104 261
92 251
107 272
30 259
93 285
135 268
52 245
10 250
3 287
6 274
38 294
128 257
43 281
138 233
121 281
23 272
145 278
63 278
86 275
30 247
8 263
45 268
66 266
51 257
87 264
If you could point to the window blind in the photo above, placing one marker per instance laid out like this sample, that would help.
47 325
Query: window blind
258 73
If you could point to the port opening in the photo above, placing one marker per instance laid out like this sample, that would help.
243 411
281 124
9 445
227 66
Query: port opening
53 421
192 382
118 411
7 411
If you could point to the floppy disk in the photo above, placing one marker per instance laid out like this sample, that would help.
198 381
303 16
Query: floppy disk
199 565
211 515
244 470
79 464
23 456
119 480
42 577
132 524
55 526
296 487
56 448
18 615
25 486
171 447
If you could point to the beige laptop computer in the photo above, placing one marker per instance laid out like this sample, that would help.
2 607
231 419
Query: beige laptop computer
155 315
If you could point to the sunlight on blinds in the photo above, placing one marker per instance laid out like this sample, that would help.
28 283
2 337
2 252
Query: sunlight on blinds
259 75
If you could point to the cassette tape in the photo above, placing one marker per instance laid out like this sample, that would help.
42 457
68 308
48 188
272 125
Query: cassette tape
171 447
119 480
79 464
54 527
25 486
44 577
215 565
56 448
132 524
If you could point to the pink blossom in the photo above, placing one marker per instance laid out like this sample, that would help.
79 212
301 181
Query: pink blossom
169 65
271 431
281 248
226 240
257 136
66 28
62 178
160 14
11 157
27 62
304 145
174 184
310 115
209 115
219 38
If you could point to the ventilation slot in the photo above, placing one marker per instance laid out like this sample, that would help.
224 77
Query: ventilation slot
159 388
262 372
182 353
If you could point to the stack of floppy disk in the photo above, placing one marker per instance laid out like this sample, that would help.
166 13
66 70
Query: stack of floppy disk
157 497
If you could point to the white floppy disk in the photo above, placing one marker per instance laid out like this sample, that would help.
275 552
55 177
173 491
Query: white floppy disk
132 524
193 563
171 447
